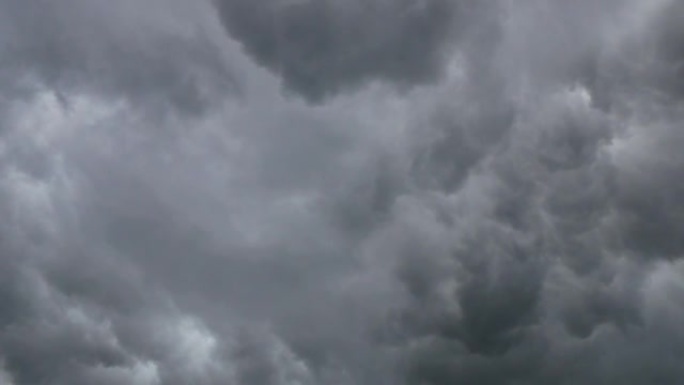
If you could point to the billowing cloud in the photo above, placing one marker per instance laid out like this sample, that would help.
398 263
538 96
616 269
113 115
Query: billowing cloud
459 193
150 51
323 47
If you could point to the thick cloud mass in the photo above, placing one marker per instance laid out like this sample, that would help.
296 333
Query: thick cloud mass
466 192
321 47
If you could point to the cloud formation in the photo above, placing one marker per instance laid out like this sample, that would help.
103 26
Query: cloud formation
447 192
322 47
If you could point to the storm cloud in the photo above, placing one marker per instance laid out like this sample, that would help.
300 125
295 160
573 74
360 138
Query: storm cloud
322 47
341 192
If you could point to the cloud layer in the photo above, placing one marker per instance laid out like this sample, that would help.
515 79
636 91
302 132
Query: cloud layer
341 192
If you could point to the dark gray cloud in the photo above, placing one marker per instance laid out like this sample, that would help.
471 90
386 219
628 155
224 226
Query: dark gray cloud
322 47
481 194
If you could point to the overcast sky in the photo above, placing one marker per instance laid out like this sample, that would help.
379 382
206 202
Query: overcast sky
341 192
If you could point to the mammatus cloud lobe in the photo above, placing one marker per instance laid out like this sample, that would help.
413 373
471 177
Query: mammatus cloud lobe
323 47
466 193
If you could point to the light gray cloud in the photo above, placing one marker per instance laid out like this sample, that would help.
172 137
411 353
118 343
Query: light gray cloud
149 52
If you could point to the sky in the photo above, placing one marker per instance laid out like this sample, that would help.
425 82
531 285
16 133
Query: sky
341 192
